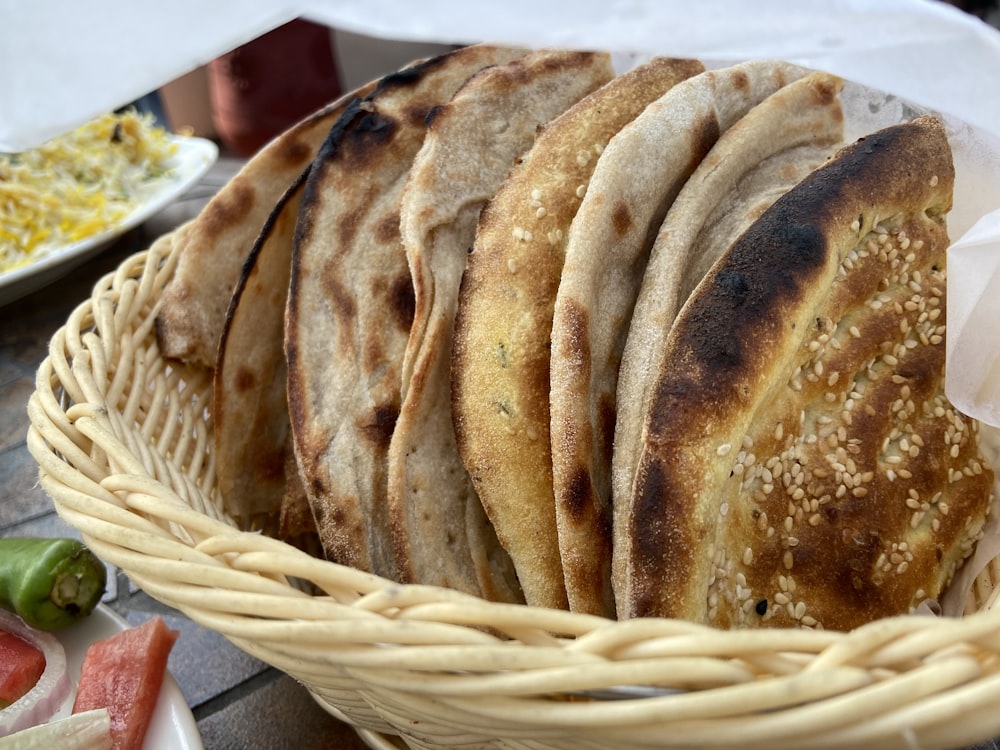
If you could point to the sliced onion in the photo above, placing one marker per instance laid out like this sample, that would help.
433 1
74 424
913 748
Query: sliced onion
51 691
88 730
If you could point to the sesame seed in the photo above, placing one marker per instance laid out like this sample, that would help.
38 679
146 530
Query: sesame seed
724 449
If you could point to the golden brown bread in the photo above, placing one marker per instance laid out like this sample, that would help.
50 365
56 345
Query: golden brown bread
470 147
500 365
351 304
800 462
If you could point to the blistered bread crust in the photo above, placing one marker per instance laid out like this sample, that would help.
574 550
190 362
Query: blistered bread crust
801 464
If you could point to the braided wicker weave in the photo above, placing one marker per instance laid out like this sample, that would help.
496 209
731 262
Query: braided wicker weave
123 441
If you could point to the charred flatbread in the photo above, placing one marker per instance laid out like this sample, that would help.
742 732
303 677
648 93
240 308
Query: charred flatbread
801 464
250 410
634 183
763 155
351 304
500 365
470 148
194 303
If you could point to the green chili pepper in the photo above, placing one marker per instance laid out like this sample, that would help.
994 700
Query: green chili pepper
49 583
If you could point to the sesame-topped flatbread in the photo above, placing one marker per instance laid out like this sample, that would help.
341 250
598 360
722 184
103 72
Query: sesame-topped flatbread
194 303
351 304
471 146
763 155
800 463
636 180
500 366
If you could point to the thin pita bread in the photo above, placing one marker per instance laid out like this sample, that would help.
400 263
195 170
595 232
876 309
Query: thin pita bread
634 183
470 148
351 306
500 368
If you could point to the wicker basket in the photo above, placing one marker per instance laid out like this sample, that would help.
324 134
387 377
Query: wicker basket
123 442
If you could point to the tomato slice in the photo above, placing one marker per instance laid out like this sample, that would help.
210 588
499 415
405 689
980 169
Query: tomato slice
21 664
123 673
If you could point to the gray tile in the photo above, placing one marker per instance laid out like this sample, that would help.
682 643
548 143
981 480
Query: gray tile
294 721
22 498
14 420
46 523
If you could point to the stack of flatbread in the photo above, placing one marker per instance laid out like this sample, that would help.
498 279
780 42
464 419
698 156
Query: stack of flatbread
648 343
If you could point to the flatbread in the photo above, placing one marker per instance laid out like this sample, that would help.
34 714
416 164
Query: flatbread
470 148
768 151
633 185
801 464
250 411
194 303
351 304
500 366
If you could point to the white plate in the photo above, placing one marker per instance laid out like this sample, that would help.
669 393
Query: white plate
173 727
193 158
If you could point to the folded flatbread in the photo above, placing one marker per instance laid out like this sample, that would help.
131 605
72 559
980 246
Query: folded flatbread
634 183
471 146
251 432
351 304
800 462
763 155
194 303
500 366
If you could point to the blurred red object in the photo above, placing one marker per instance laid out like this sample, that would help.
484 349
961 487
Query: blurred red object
261 88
